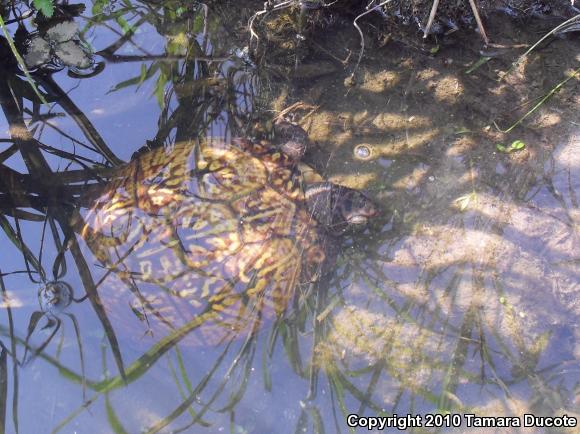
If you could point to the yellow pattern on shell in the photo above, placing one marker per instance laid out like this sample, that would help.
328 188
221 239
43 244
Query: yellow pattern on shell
214 228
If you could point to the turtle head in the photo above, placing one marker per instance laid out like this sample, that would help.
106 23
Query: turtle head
293 139
339 208
355 208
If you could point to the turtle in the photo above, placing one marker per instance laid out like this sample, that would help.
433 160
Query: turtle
216 236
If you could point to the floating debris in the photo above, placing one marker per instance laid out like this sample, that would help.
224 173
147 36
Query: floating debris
55 296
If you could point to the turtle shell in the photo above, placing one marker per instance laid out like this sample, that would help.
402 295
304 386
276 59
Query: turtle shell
216 234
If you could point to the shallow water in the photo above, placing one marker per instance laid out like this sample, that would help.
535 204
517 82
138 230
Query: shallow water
463 296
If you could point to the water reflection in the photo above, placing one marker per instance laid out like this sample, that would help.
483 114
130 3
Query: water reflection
462 297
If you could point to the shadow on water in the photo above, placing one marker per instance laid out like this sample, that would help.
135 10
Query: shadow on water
461 298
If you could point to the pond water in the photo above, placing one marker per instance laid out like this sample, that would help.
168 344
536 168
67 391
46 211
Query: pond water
461 297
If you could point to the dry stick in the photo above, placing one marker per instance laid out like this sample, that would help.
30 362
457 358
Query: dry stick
329 53
431 18
296 106
362 38
265 12
478 20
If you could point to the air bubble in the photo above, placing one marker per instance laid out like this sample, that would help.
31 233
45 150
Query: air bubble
363 152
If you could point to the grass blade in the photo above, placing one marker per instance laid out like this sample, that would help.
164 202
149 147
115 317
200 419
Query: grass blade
3 388
542 101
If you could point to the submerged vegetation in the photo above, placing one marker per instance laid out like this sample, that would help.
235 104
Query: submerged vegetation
460 122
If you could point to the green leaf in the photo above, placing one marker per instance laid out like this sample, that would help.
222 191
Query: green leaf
99 6
112 417
3 387
125 26
178 44
44 6
500 147
137 313
143 75
516 145
198 23
463 130
482 60
464 201
435 49
160 89
136 80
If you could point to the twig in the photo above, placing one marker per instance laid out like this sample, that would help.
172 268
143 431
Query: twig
265 12
297 106
362 38
478 20
329 53
431 18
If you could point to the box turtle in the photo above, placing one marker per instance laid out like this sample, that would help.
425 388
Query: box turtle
218 233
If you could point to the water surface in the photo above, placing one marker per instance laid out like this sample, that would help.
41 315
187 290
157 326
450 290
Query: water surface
461 298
